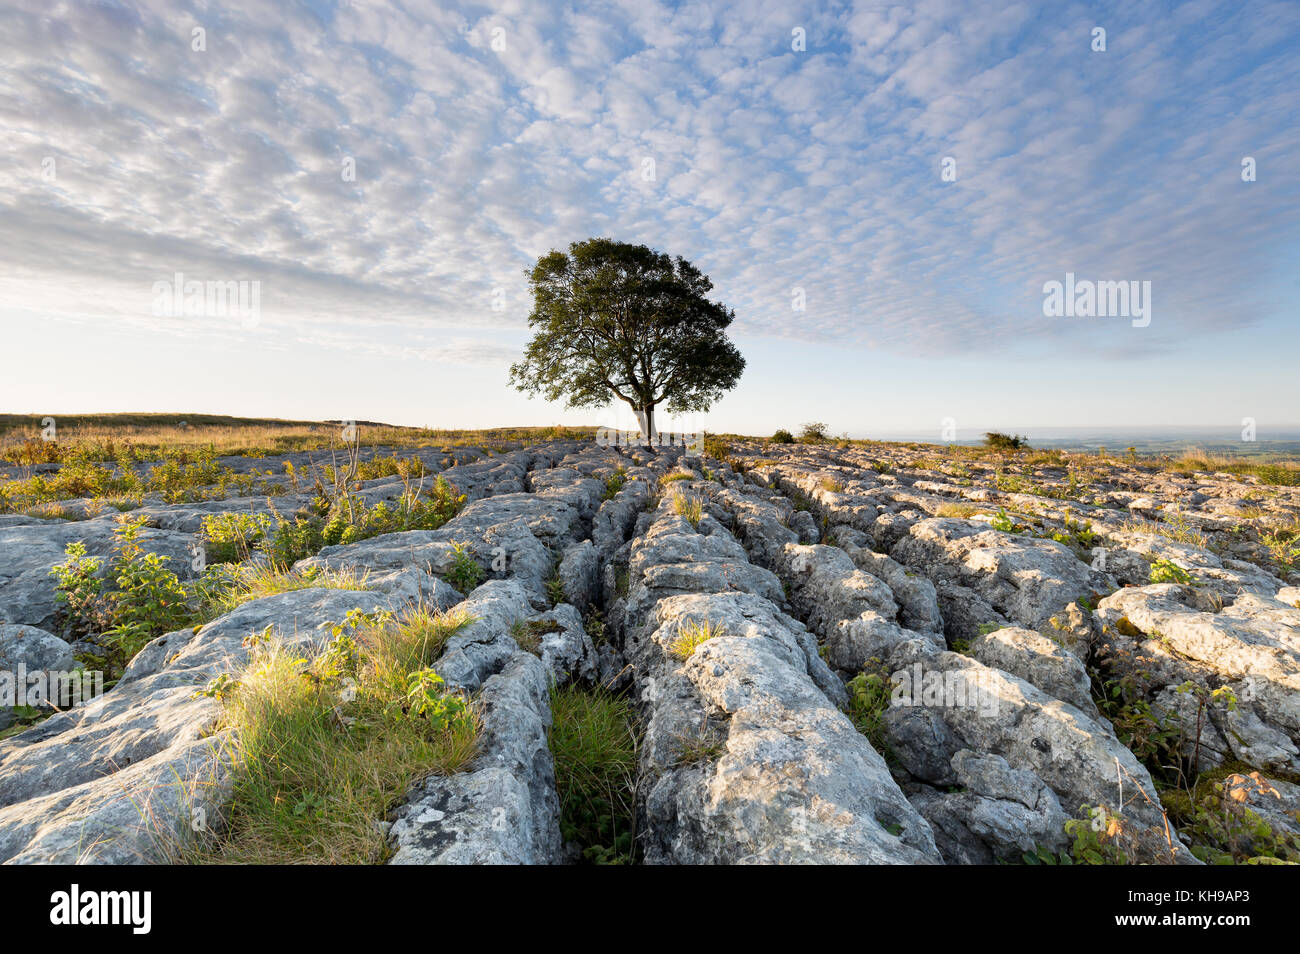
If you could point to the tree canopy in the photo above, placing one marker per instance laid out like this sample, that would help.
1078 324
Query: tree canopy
614 320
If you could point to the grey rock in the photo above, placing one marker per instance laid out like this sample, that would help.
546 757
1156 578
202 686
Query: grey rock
1040 662
795 782
504 809
580 574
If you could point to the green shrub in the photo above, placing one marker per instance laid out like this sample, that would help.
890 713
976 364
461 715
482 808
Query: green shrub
232 537
1005 442
614 483
149 600
79 592
782 436
292 541
348 520
465 572
131 601
869 694
1164 571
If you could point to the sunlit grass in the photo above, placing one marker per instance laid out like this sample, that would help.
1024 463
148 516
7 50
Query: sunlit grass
691 636
323 749
225 587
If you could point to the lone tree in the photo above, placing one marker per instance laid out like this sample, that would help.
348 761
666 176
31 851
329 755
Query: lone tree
614 320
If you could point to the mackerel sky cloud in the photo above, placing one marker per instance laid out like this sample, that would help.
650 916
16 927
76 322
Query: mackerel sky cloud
484 135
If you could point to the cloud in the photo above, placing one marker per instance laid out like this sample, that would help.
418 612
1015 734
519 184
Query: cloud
773 169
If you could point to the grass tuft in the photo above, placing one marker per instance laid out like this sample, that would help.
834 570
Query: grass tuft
324 748
691 636
594 743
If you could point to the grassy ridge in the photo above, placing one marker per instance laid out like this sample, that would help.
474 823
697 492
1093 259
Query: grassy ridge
102 436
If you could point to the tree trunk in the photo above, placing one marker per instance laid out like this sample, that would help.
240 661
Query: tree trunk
645 417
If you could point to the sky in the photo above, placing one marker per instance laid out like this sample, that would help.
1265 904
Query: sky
882 191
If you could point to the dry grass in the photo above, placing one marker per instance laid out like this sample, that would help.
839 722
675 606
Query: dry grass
690 506
106 435
1177 529
1275 469
229 586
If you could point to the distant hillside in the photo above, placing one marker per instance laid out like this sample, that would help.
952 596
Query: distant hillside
103 436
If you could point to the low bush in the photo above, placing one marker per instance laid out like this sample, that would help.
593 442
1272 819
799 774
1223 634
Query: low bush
996 440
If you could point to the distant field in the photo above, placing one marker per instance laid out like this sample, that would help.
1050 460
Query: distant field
107 436
111 437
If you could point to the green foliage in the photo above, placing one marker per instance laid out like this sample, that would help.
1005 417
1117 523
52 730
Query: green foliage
1217 818
323 748
593 740
347 520
149 600
1096 836
232 537
1042 856
869 694
220 688
465 572
782 436
612 319
176 477
1079 536
294 540
1164 571
1151 738
1284 548
996 440
132 600
79 591
1004 523
614 483
812 432
425 699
